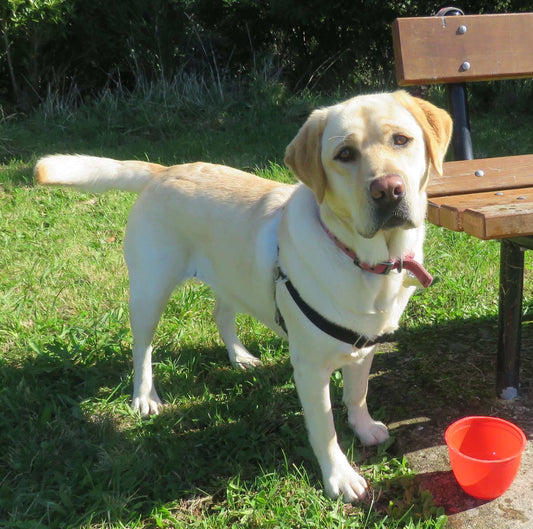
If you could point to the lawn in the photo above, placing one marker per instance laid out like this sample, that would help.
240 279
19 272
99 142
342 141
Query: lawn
230 448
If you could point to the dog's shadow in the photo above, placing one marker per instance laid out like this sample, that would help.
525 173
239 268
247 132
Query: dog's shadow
67 430
229 421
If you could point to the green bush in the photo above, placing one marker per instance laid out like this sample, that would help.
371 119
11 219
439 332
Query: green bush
95 44
90 44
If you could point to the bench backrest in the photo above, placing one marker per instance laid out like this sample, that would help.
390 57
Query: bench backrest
454 49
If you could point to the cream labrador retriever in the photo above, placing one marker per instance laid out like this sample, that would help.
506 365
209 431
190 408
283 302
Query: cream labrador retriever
330 264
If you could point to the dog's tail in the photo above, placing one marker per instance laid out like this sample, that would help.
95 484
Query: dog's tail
90 173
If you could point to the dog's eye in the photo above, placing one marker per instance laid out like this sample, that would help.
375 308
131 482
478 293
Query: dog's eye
346 154
400 140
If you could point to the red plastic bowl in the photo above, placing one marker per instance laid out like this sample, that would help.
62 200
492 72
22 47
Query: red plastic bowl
485 454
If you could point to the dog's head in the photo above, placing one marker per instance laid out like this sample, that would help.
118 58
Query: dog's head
368 159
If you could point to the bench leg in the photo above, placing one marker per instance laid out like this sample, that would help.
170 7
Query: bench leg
510 319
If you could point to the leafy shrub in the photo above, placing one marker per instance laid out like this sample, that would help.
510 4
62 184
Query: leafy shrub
96 44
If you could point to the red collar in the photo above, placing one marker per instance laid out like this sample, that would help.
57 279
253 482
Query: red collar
407 261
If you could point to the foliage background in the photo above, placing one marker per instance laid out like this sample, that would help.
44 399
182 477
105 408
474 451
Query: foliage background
84 46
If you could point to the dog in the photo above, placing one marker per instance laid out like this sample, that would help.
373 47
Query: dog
328 263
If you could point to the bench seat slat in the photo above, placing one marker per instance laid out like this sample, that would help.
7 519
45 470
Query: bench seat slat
487 215
499 173
495 222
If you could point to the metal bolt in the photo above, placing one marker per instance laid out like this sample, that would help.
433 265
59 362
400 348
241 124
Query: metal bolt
499 194
480 173
461 30
464 67
520 198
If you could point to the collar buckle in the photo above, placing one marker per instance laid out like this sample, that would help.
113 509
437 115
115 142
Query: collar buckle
362 342
400 264
387 267
382 268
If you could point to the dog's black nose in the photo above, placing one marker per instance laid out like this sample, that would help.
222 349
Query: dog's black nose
387 190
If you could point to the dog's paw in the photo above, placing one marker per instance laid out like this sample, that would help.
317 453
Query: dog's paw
245 361
147 405
343 480
372 433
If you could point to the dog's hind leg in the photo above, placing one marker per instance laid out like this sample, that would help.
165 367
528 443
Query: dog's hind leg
155 267
355 381
238 354
148 298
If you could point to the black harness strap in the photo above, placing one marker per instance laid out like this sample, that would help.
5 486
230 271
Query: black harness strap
358 341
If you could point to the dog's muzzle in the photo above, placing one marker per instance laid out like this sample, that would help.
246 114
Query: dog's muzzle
388 195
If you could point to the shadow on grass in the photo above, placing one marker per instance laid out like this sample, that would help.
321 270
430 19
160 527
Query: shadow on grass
421 496
17 175
436 374
73 452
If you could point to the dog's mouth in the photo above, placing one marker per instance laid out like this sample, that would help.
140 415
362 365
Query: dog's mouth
389 219
398 218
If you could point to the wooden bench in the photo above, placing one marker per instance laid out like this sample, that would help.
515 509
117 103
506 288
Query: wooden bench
488 198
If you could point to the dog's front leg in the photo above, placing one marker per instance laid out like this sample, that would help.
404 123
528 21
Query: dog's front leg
145 397
312 383
355 381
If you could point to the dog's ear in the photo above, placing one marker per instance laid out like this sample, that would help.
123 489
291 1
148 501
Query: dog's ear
435 122
303 155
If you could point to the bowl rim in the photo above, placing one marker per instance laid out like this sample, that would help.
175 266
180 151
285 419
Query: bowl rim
470 418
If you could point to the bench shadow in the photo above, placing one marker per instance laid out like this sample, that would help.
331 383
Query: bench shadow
434 375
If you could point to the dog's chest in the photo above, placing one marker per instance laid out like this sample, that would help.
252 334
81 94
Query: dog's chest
379 303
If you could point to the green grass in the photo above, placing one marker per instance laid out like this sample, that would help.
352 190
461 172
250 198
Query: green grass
230 448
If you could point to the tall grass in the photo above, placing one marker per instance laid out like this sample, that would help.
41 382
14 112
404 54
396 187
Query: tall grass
230 448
